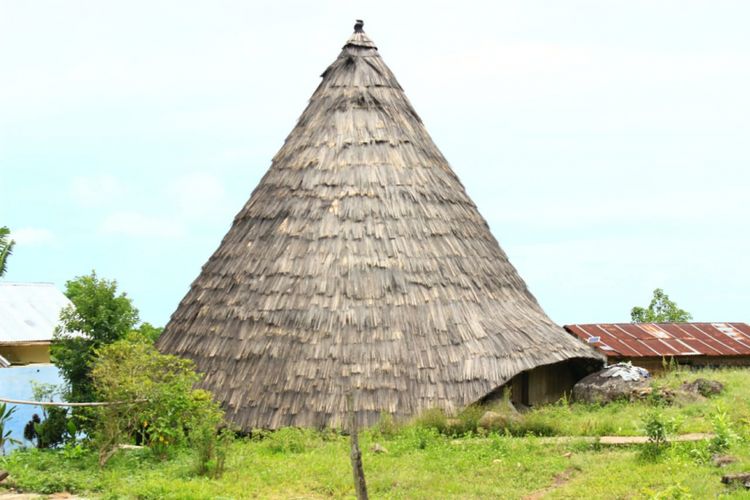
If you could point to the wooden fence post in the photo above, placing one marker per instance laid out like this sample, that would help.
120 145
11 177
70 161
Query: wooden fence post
360 486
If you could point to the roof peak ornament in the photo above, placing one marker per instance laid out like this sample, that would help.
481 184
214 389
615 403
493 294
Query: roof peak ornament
358 26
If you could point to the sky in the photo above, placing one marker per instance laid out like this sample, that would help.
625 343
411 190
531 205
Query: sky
607 143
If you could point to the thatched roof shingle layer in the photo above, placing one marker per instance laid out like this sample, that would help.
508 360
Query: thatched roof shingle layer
359 265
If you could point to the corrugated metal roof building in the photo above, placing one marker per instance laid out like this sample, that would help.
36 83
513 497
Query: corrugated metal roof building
29 313
649 344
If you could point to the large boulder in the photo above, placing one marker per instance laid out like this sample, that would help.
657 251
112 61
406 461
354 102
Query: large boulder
619 381
704 387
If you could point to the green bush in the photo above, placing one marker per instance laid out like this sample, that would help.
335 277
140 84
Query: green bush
468 419
53 429
724 434
386 427
658 429
5 436
533 424
434 418
292 440
161 407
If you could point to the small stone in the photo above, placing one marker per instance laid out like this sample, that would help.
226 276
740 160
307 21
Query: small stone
742 478
568 454
723 460
378 448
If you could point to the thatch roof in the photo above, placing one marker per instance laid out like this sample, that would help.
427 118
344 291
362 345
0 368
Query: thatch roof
359 265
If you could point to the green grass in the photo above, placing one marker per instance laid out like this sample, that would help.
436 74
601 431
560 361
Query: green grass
424 463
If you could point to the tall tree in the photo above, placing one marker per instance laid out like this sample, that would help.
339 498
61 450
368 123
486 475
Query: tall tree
660 310
98 316
6 248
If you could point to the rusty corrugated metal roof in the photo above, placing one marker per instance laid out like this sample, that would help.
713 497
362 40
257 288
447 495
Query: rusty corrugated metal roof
665 339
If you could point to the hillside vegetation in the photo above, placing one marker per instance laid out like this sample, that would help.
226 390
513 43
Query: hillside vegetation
434 457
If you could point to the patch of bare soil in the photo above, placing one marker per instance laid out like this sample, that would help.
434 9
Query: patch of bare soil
558 481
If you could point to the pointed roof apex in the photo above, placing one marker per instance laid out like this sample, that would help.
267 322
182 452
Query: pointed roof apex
358 38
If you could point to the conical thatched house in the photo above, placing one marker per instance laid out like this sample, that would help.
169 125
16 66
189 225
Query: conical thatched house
360 266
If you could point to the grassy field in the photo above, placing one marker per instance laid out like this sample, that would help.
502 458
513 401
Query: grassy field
423 463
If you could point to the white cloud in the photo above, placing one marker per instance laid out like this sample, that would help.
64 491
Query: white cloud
32 236
198 194
96 190
139 225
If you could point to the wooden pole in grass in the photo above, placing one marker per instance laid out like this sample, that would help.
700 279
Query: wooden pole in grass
360 486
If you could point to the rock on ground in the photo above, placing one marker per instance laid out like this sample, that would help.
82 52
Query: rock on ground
704 387
615 382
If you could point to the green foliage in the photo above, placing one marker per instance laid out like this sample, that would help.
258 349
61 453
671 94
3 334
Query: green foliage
6 249
148 332
292 440
423 463
724 434
672 492
52 471
98 316
418 437
386 426
533 424
434 418
658 429
660 310
5 414
162 407
54 428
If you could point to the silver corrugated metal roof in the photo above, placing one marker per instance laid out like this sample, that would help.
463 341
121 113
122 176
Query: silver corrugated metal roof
29 312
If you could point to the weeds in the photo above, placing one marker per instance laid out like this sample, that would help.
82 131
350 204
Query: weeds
724 434
423 461
657 428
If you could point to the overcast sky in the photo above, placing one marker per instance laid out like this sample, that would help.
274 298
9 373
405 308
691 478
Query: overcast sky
607 143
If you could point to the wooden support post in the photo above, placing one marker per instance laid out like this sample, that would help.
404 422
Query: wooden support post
360 486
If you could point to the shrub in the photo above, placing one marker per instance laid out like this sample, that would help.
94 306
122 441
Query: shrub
434 418
5 415
532 424
211 448
657 428
468 419
292 440
161 407
386 426
53 430
724 435
54 427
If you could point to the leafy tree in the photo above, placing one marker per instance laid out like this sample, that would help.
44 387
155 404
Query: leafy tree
6 248
98 316
149 332
660 310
